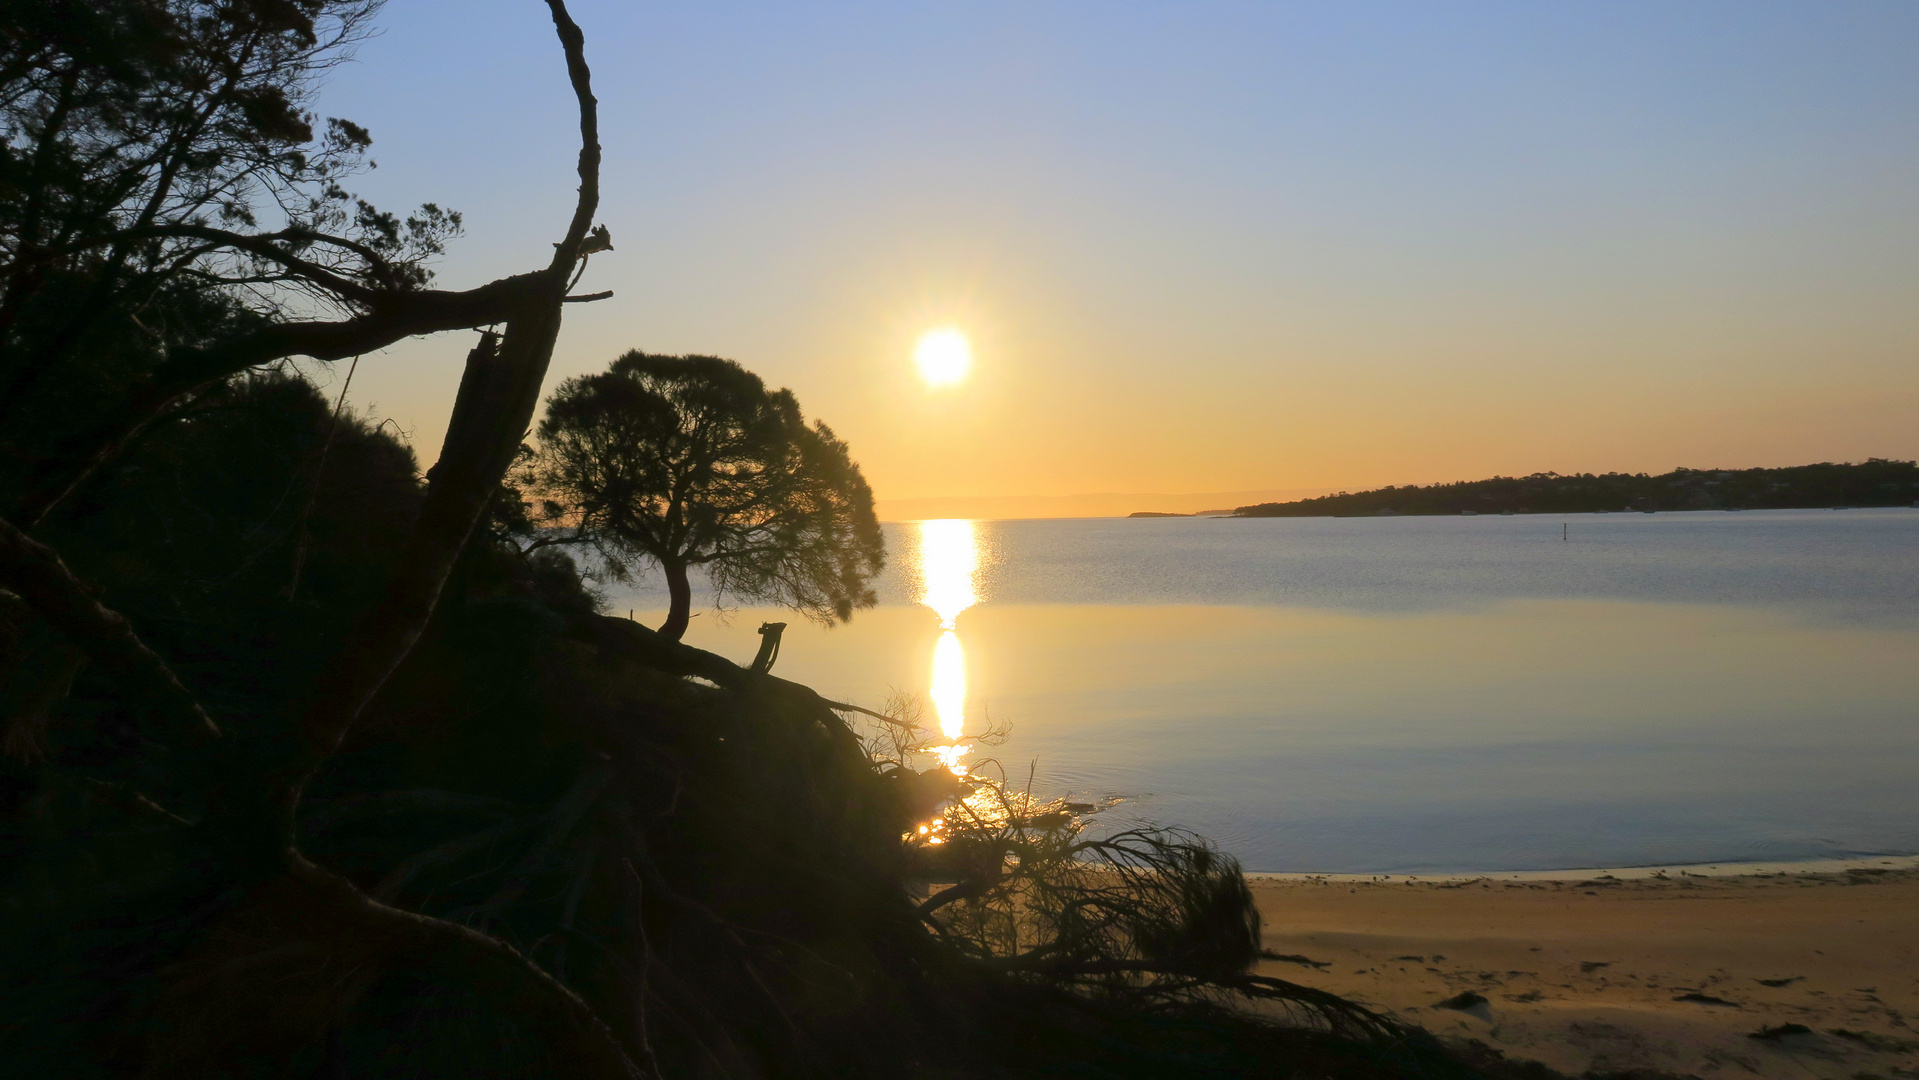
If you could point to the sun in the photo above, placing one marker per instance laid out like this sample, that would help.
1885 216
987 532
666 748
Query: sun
943 356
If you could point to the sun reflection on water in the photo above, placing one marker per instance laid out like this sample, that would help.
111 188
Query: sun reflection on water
949 557
949 684
948 563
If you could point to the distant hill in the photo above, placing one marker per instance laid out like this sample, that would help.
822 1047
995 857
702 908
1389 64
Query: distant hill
1873 482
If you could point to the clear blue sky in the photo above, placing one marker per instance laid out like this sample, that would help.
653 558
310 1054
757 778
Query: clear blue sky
1207 246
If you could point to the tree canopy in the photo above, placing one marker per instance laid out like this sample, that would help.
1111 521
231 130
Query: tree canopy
691 461
304 772
171 217
174 213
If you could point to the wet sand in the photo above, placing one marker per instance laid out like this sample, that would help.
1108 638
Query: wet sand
1670 972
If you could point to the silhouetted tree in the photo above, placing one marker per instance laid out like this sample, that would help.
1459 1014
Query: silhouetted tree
172 213
691 461
428 813
169 218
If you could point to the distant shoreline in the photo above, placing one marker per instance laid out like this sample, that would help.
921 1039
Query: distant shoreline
1875 482
1225 516
1623 873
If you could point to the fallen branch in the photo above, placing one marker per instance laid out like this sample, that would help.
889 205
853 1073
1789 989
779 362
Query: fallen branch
391 318
517 987
38 576
662 653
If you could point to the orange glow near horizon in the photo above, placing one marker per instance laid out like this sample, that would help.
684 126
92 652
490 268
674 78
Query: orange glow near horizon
1486 248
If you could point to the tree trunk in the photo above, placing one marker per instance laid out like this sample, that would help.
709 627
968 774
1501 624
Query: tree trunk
680 592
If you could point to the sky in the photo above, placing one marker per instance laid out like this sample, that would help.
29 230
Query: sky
1203 247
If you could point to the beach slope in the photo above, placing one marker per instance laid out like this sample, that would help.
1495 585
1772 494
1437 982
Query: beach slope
1673 973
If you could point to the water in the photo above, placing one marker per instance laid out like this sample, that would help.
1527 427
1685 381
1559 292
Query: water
1422 694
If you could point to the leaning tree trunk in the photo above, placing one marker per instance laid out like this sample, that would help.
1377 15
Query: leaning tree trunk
679 593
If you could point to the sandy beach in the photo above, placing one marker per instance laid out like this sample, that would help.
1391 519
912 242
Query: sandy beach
1672 971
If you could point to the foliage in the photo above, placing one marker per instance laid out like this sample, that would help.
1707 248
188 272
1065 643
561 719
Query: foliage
309 768
690 461
1143 914
167 187
133 130
122 783
720 871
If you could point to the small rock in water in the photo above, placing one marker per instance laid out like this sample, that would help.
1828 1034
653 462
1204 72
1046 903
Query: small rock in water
1462 1001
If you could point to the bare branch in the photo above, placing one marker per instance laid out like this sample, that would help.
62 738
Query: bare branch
266 246
518 987
551 541
394 317
496 400
567 252
658 651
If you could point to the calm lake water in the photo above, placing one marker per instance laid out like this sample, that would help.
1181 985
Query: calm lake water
1418 694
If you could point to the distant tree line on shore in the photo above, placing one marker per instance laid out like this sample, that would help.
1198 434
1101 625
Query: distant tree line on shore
1873 482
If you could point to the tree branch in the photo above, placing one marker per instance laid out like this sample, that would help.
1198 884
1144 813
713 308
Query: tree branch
495 404
496 401
551 541
394 317
567 252
264 246
965 890
517 987
656 650
37 574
